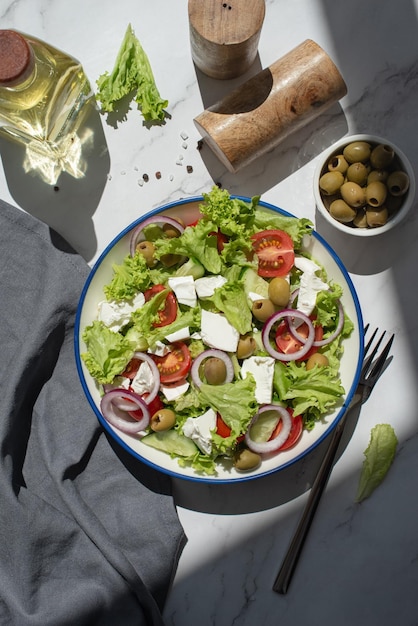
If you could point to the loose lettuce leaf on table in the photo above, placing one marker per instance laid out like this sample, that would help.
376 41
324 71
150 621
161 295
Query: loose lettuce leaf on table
379 456
132 72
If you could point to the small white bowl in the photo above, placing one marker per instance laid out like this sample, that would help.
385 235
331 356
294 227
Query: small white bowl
396 218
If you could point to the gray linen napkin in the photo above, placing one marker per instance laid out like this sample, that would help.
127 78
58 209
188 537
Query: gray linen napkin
87 536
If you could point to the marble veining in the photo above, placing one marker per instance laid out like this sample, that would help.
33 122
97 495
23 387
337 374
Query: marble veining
360 563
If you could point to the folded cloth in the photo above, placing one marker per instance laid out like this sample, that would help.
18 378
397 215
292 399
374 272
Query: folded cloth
86 536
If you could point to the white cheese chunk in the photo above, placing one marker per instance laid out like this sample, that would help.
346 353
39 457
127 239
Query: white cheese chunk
205 286
115 315
143 381
159 349
217 332
199 429
179 335
262 368
183 287
172 392
310 284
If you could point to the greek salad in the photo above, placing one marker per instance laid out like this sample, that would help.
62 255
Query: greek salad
218 342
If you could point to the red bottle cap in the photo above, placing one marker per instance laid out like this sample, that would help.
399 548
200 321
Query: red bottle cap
15 56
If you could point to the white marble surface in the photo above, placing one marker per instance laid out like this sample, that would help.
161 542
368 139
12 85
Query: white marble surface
360 564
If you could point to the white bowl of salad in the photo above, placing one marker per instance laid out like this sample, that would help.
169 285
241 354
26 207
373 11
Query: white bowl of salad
219 338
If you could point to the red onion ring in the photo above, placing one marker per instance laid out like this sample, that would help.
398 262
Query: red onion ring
111 408
207 354
142 356
155 219
327 340
264 447
290 313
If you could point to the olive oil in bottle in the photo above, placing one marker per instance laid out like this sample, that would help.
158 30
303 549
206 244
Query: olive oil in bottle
43 91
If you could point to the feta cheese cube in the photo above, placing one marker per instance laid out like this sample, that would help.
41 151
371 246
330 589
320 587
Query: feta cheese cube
143 381
179 335
310 284
199 429
115 315
183 287
217 332
205 286
172 392
262 368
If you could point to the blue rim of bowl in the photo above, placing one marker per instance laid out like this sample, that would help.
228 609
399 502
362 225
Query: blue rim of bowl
208 479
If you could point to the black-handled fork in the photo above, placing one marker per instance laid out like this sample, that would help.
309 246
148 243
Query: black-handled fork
370 373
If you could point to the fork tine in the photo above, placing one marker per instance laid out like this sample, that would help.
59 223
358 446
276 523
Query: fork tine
377 367
368 361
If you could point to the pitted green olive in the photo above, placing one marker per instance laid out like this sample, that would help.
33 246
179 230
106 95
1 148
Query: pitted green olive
246 460
246 346
317 359
357 151
214 370
357 173
263 309
342 212
379 175
376 216
353 194
147 249
381 156
164 419
330 182
337 163
376 193
360 221
170 231
398 183
279 291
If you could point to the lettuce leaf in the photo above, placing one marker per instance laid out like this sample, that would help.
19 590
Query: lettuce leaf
132 72
108 353
379 457
232 216
129 278
231 299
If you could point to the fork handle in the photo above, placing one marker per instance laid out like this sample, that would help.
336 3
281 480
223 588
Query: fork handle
288 566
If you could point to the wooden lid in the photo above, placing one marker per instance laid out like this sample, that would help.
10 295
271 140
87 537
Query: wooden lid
15 56
227 23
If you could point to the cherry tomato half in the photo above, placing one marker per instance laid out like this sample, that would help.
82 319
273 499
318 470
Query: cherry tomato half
174 365
275 252
169 313
223 429
295 431
287 343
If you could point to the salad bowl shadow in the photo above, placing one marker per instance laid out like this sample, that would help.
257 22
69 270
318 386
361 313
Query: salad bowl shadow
350 365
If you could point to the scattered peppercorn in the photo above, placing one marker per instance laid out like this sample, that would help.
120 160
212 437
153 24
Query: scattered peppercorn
146 177
158 175
189 169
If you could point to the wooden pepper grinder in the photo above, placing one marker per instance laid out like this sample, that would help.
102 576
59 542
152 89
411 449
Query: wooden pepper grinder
224 36
258 115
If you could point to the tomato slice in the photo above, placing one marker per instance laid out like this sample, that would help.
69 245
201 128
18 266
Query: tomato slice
169 313
295 431
287 343
275 252
223 429
174 365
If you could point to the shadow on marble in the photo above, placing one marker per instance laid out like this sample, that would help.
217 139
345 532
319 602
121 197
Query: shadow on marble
68 206
262 493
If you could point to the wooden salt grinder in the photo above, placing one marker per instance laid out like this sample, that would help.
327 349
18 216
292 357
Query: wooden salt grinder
224 36
258 115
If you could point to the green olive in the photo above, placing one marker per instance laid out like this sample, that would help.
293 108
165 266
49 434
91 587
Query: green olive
246 346
357 173
360 221
245 460
376 193
214 370
170 231
398 183
381 156
279 291
353 194
342 212
164 419
380 175
317 359
330 182
147 249
357 151
376 216
337 163
263 309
